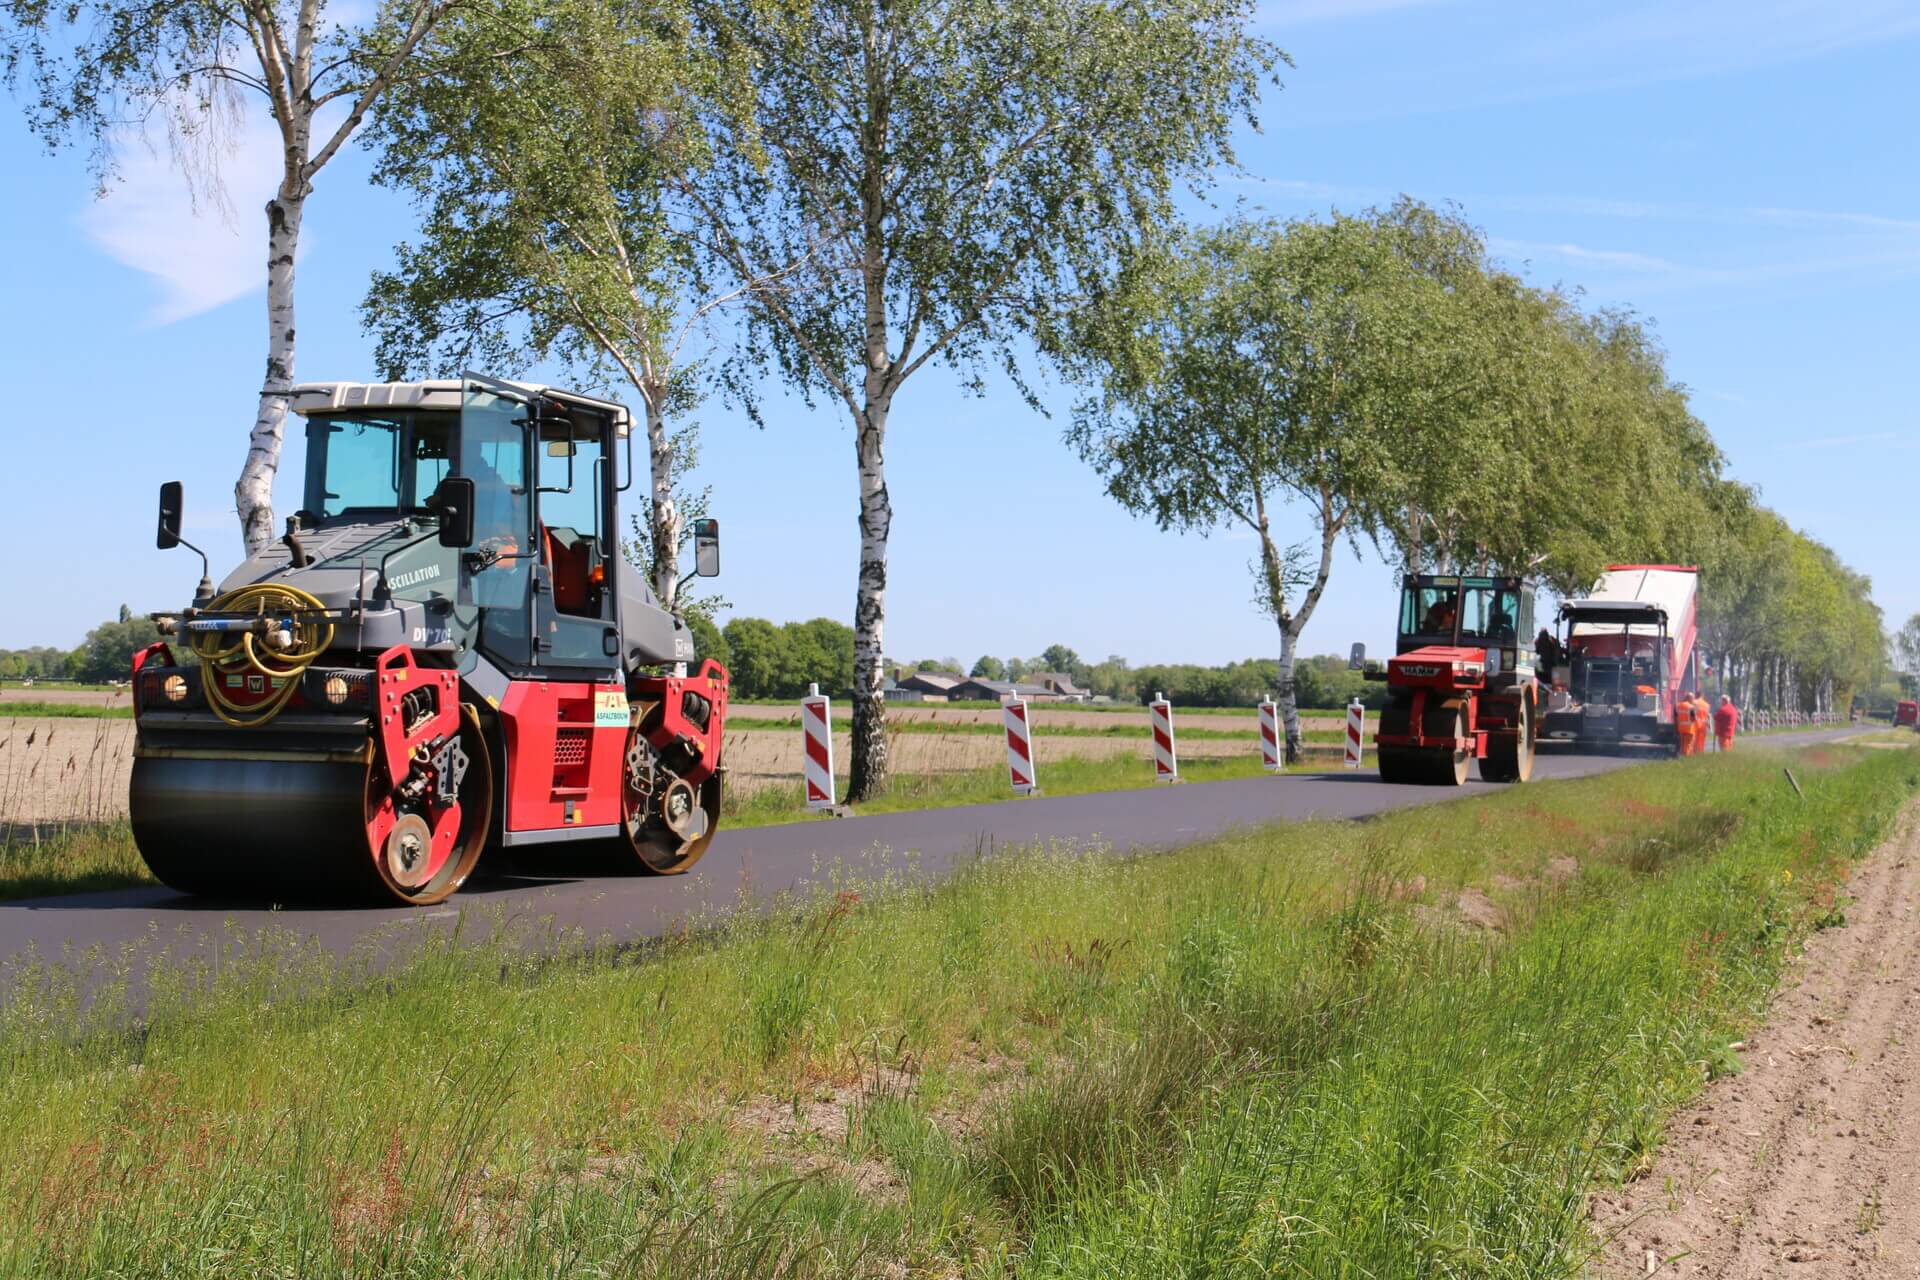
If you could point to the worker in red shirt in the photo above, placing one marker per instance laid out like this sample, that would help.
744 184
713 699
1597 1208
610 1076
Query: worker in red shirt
1726 719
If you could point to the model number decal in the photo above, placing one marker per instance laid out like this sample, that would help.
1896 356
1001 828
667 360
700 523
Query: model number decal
431 635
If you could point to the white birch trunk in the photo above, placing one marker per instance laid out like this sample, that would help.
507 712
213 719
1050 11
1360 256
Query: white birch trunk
869 755
1289 699
665 522
1293 622
253 492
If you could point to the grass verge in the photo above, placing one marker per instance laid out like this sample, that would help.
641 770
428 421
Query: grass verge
79 858
1400 1048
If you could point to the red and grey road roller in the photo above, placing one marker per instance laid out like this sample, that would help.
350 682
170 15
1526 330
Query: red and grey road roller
445 654
1461 684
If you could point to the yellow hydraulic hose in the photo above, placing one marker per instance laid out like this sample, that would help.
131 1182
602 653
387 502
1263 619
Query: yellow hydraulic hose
220 657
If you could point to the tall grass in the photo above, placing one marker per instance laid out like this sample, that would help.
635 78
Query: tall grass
1400 1048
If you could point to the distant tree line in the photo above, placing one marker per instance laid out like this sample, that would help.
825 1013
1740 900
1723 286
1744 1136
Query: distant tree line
106 654
1788 625
779 660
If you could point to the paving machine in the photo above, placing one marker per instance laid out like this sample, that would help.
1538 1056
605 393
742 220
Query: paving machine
1461 685
1626 654
445 653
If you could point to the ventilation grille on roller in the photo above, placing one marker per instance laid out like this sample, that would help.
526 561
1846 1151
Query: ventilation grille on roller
570 748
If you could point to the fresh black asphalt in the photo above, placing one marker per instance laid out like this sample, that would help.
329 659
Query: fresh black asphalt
747 866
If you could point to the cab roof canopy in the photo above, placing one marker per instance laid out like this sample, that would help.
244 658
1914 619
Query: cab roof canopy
322 398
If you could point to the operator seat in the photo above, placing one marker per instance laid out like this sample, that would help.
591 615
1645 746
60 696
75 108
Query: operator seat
570 561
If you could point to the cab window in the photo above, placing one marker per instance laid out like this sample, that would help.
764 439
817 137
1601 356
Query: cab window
570 496
356 467
430 455
1491 613
1428 611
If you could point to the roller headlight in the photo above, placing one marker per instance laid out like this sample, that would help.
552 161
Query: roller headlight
174 688
338 691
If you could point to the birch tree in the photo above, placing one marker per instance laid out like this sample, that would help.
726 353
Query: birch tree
97 67
1258 376
949 171
546 231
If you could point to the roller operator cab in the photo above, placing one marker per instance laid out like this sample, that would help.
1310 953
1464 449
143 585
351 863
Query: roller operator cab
1460 686
445 653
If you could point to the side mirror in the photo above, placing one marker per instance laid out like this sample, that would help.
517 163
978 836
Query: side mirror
706 548
454 501
1357 658
172 500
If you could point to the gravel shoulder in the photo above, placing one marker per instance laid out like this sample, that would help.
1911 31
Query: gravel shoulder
1807 1162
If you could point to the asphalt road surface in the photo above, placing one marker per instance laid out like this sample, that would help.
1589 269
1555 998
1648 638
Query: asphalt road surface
752 865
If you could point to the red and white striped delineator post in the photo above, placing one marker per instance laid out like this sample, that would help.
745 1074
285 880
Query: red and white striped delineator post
1270 755
1020 770
1356 726
816 726
1166 760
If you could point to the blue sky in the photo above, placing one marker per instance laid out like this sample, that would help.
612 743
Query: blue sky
1743 173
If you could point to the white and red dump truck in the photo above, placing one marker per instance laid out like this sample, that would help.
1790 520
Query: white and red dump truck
1626 651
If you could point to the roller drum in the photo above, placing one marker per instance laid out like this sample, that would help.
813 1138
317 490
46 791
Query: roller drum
254 828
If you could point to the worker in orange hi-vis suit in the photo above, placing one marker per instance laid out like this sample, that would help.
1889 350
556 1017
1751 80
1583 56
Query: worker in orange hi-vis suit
1686 726
1726 721
1702 722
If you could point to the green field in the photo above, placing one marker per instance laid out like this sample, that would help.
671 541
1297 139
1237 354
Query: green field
1401 1048
22 708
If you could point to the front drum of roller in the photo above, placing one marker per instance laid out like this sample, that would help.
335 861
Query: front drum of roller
266 830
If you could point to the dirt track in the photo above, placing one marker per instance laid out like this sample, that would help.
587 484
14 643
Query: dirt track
1807 1162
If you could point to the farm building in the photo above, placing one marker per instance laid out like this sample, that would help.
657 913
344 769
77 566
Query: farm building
975 689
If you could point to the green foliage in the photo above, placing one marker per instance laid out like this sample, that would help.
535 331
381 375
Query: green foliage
708 640
964 165
1058 657
1790 625
547 233
107 652
38 662
988 667
929 179
780 661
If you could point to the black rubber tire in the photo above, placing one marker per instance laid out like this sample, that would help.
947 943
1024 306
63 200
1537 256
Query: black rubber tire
1447 718
1511 759
1394 765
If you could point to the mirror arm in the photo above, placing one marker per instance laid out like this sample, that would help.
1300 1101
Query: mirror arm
202 594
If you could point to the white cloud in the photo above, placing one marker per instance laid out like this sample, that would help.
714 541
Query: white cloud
201 252
1622 259
1527 52
1652 273
1842 442
1300 13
